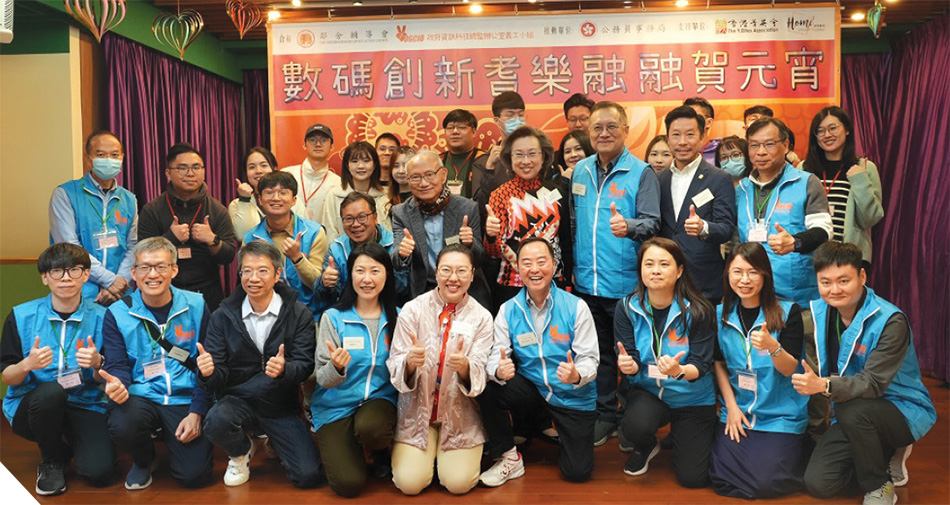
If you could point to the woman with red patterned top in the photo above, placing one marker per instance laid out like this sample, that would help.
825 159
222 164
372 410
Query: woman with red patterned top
529 205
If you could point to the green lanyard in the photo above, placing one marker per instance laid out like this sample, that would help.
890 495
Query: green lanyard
746 342
65 349
103 219
656 336
160 337
764 202
838 329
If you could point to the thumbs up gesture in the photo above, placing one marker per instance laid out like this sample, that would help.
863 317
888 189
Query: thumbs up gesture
857 169
115 390
406 245
693 224
181 231
492 224
782 242
417 355
625 362
567 372
458 361
808 383
506 367
275 365
201 232
339 356
39 357
762 340
466 236
670 366
204 361
244 189
88 355
291 248
330 274
618 225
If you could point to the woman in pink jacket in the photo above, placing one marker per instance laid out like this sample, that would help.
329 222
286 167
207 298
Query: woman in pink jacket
437 363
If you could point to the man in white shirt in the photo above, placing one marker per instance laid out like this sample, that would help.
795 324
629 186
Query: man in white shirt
314 177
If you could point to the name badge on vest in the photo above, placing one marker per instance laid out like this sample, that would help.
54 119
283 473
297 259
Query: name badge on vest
154 368
527 339
69 380
758 232
578 189
353 343
178 354
463 329
184 253
454 239
455 187
703 198
748 380
653 372
105 239
552 196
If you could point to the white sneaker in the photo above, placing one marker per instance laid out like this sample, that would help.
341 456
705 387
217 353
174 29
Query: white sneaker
503 470
898 466
239 468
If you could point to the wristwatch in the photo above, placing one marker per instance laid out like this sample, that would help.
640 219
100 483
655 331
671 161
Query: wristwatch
827 392
215 242
776 352
798 244
680 376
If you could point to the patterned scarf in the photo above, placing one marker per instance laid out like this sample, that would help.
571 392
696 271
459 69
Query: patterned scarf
432 209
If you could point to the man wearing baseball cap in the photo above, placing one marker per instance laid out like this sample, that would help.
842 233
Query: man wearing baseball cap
314 177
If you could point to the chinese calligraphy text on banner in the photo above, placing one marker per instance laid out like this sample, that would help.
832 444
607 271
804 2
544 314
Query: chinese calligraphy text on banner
402 76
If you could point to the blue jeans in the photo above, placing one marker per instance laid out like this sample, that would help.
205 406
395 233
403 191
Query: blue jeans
231 419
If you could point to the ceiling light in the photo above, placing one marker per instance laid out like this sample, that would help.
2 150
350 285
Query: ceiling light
357 3
857 16
475 9
682 3
273 15
532 1
296 3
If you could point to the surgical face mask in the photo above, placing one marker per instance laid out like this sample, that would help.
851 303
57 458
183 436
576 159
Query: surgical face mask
106 168
513 124
735 168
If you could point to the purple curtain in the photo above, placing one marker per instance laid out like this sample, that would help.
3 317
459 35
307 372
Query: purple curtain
156 101
256 109
900 102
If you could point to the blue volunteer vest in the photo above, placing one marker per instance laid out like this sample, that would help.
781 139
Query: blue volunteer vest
906 390
538 362
340 251
605 265
89 209
794 274
774 406
37 318
310 231
177 384
367 377
673 339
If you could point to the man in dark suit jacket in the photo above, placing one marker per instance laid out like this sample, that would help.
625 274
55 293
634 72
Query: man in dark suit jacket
432 219
697 202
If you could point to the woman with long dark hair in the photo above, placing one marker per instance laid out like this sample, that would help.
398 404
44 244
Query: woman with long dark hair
360 172
665 333
354 404
852 184
399 180
575 146
244 211
762 420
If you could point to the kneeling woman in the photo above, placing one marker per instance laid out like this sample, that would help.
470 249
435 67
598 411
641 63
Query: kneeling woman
354 405
666 332
437 363
762 421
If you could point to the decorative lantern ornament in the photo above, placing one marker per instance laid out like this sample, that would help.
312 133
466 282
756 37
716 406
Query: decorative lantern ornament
244 15
178 30
98 20
876 18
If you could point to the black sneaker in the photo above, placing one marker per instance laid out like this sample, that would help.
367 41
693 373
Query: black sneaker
50 479
639 461
382 467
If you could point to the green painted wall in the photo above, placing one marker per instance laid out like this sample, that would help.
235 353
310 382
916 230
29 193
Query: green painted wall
38 36
18 284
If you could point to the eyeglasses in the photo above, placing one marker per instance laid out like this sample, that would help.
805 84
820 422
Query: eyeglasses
830 130
161 268
611 129
262 273
361 219
318 140
578 119
733 157
462 272
769 146
430 177
59 273
754 275
457 127
184 169
526 156
271 193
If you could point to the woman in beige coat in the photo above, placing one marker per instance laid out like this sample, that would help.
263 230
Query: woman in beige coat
437 363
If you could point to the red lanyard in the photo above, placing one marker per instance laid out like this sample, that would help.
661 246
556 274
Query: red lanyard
445 321
197 212
833 181
303 188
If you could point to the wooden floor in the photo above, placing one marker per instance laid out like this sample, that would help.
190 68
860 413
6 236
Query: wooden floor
929 468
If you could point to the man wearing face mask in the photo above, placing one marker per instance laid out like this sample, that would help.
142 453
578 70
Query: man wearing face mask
96 213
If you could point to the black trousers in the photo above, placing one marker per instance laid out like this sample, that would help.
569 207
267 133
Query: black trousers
575 427
602 310
131 425
853 455
44 417
692 431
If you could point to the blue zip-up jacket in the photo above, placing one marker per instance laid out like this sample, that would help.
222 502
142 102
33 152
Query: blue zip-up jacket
774 406
340 250
128 346
89 209
794 274
367 377
858 341
673 339
538 362
310 230
605 265
37 318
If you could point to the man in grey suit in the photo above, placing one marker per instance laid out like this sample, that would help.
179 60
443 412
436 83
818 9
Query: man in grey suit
432 219
697 202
